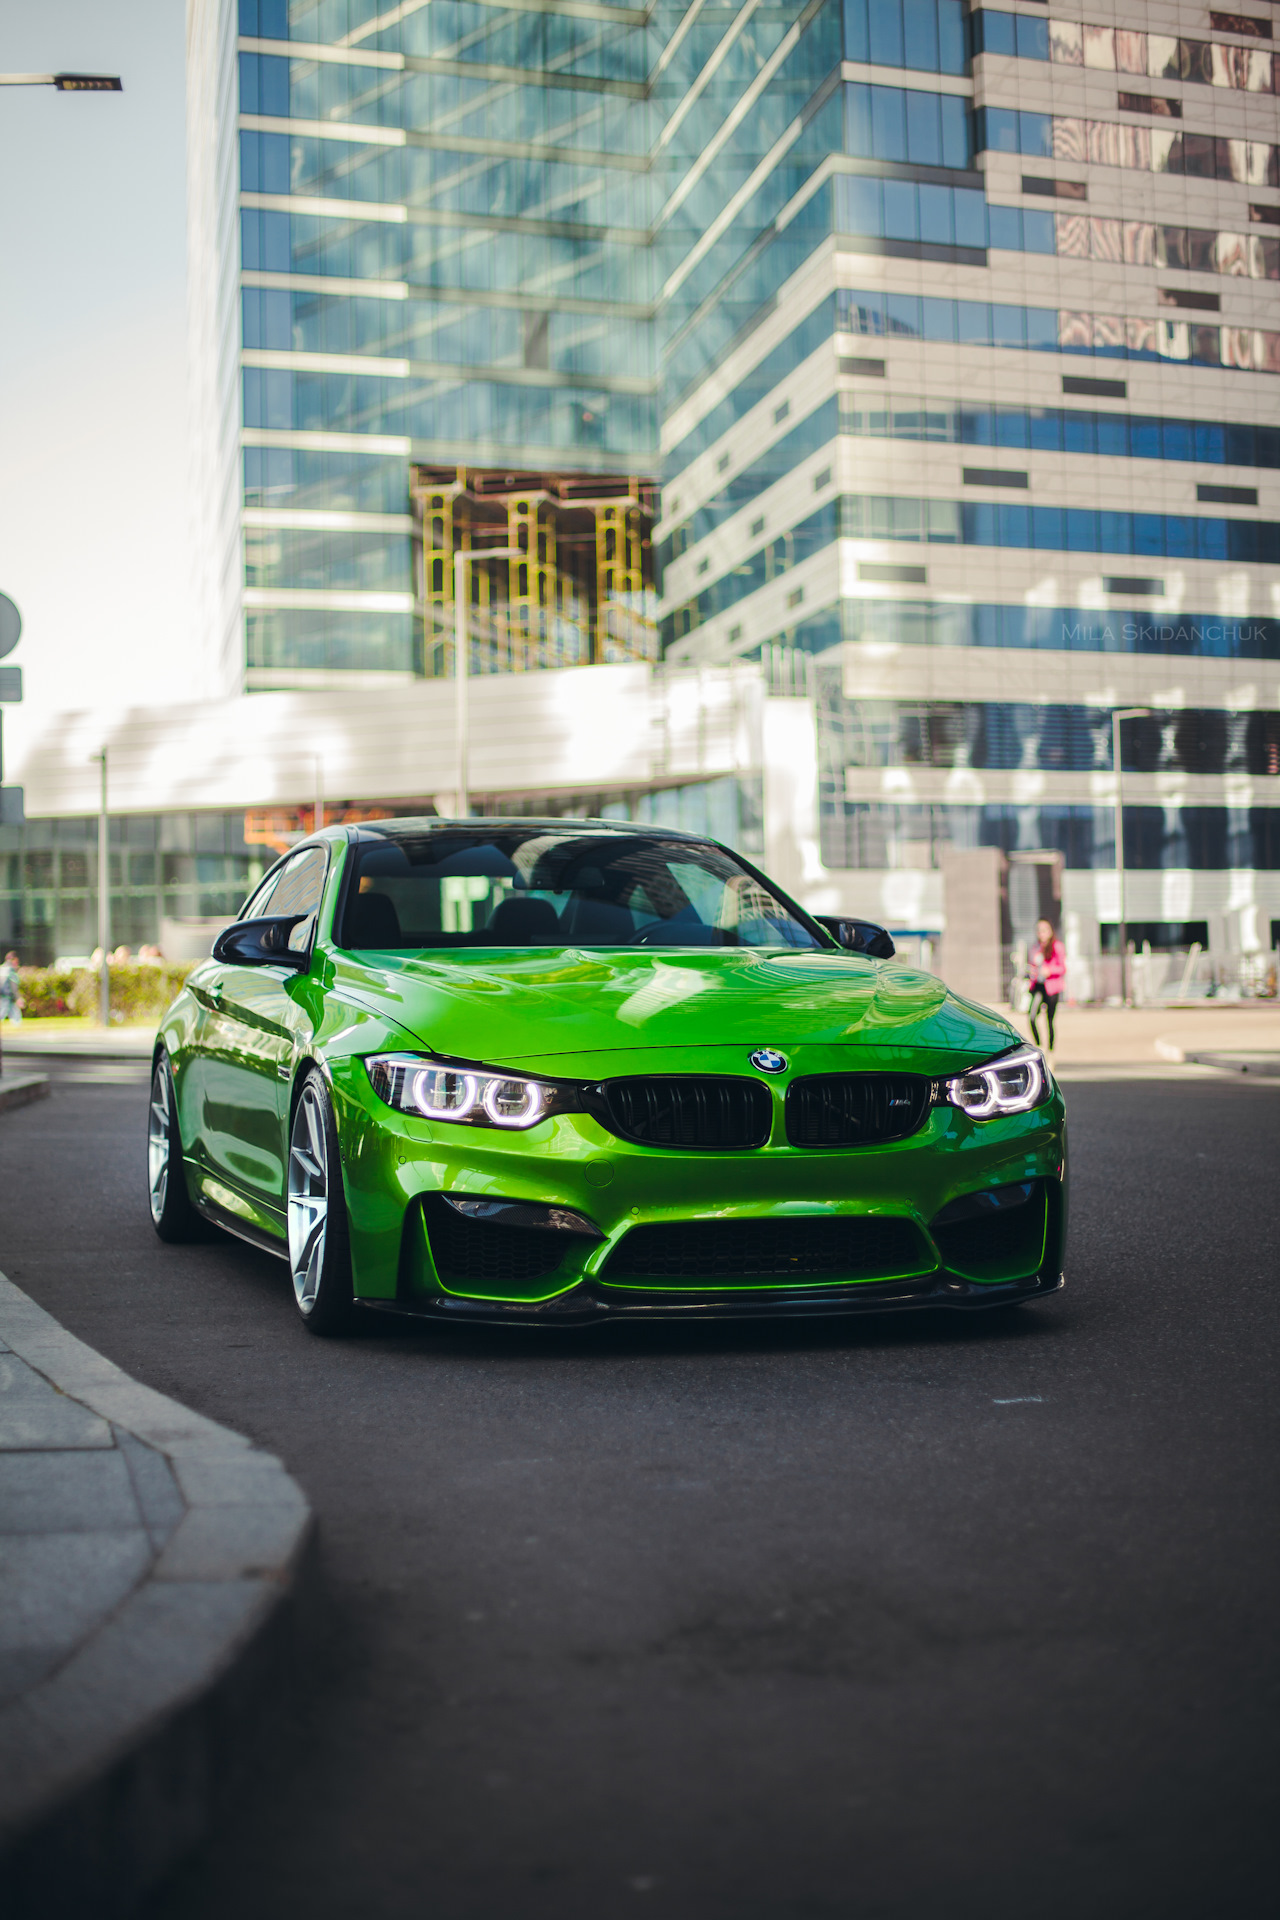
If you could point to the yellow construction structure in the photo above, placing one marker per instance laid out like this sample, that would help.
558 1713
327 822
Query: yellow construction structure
579 589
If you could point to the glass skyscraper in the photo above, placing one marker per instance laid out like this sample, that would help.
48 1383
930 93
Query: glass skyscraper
445 257
469 235
1000 455
950 335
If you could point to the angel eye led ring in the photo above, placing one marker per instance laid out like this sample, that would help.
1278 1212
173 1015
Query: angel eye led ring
527 1092
433 1087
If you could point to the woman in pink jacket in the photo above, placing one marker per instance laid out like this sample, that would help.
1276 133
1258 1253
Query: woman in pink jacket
1048 977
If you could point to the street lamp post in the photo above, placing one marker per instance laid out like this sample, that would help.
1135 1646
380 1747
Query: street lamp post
104 897
1117 715
462 658
88 83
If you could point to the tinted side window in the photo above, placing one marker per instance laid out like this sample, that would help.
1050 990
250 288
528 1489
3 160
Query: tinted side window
256 905
298 890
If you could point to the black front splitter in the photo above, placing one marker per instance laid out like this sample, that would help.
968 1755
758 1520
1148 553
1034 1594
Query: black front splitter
587 1307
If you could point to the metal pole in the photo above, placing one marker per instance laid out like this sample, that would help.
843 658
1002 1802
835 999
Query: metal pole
462 662
1119 837
104 899
461 676
319 821
1117 715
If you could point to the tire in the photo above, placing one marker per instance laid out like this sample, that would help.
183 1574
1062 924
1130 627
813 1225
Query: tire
319 1241
172 1214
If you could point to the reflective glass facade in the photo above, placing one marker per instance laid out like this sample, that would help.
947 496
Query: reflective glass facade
994 451
179 866
488 236
445 256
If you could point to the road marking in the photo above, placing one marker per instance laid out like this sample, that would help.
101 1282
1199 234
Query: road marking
1024 1400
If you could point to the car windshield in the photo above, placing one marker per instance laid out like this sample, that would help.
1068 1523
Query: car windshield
543 887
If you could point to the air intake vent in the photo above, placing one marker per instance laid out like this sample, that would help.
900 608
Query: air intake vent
482 1250
996 1235
797 1248
672 1110
855 1109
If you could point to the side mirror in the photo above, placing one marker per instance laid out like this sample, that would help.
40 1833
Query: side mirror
859 936
261 943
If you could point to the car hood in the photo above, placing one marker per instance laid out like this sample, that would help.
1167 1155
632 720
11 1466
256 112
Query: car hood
537 1006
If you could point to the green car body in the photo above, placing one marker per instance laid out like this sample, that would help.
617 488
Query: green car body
747 1230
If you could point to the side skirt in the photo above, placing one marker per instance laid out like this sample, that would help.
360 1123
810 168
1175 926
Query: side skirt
231 1223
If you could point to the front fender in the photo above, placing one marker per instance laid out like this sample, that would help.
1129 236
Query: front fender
348 1033
178 1036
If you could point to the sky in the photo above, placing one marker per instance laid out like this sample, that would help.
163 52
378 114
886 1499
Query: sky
94 486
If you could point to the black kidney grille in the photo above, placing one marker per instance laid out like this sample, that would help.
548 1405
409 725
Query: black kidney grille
482 1250
856 1109
796 1248
678 1110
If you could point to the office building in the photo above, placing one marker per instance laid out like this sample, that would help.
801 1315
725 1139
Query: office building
1002 456
950 337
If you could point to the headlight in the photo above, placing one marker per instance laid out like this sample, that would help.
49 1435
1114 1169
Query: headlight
1013 1084
466 1095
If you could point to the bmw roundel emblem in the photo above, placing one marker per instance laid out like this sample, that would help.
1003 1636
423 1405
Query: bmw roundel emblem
769 1060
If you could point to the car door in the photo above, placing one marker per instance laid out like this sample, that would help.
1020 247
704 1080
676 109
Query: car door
191 1070
254 1029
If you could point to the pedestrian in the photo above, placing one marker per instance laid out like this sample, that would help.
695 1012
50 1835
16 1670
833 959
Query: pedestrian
1048 964
10 997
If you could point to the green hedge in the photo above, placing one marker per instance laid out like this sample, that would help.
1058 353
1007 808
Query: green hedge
139 991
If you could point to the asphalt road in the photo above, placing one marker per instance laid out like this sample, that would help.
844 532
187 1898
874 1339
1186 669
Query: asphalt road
903 1618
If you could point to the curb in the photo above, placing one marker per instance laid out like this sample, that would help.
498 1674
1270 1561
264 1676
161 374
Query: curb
1266 1066
1263 1063
113 1045
19 1089
113 1765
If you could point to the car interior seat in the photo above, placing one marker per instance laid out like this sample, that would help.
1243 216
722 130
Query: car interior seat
598 923
372 921
517 922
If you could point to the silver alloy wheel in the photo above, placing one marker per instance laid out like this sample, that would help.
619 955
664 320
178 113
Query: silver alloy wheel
308 1196
159 1143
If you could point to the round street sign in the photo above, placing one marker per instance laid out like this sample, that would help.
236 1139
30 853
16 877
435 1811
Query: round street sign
10 625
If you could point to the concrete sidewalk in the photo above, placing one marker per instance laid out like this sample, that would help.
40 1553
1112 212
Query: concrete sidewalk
150 1565
1211 1035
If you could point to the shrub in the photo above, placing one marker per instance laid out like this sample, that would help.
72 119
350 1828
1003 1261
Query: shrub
46 990
140 991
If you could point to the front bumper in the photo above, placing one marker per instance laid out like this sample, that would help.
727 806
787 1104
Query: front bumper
398 1168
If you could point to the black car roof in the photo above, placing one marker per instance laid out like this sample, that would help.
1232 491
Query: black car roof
430 823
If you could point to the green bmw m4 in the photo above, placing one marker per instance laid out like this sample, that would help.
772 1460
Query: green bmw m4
557 1072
